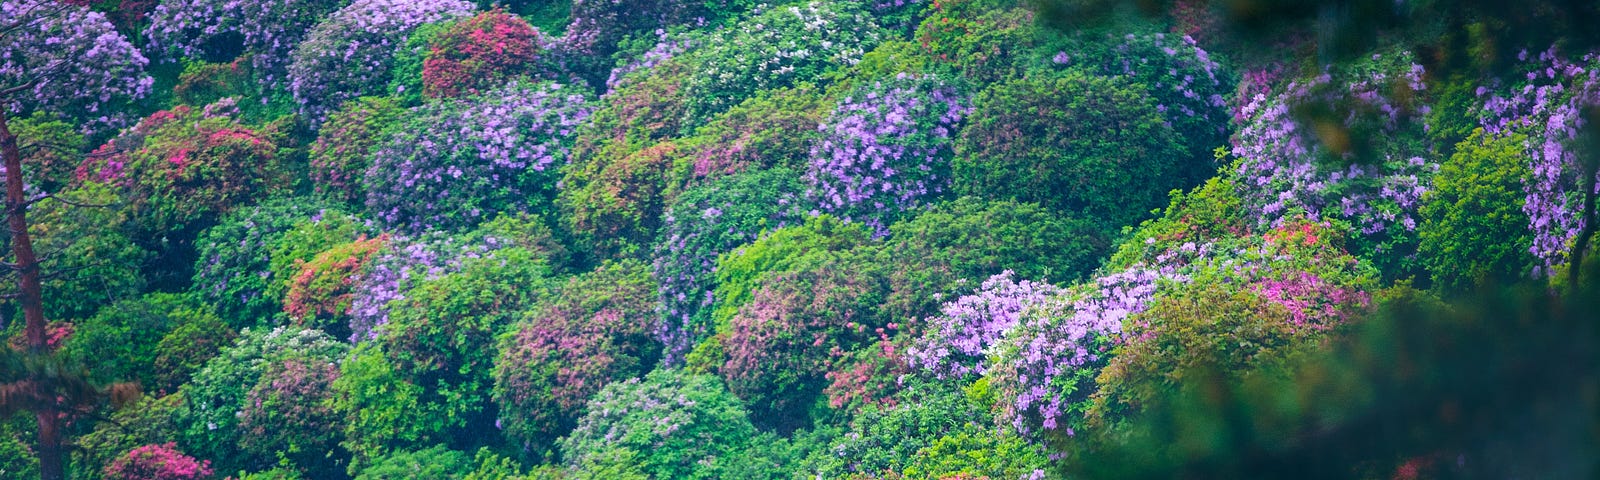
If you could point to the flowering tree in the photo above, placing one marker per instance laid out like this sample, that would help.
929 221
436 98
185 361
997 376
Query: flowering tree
473 159
217 30
349 53
478 54
886 149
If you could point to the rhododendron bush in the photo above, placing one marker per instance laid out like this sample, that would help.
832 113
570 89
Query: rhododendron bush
349 53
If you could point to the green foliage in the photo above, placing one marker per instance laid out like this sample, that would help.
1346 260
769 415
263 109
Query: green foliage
976 451
86 256
203 83
1085 145
339 155
280 473
787 249
214 400
1473 227
302 243
234 268
440 337
676 425
381 409
773 129
1210 212
955 246
187 348
122 342
984 41
144 422
49 148
885 441
436 462
16 458
406 82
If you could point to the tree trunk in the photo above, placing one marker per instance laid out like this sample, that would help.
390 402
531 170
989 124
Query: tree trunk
27 265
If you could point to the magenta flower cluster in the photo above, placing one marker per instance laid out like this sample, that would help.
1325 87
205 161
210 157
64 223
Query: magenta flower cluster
957 342
1548 106
350 53
452 165
886 149
158 462
71 60
1283 172
268 29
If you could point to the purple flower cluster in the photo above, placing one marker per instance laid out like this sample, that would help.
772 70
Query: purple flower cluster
402 264
452 165
72 60
957 342
885 149
1282 172
598 26
351 52
1188 83
666 47
269 29
1549 108
1058 344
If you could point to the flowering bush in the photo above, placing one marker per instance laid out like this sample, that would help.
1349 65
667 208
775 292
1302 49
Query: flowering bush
180 168
596 328
1057 141
158 462
216 398
287 413
303 242
773 129
983 41
452 165
776 48
1190 88
349 53
340 156
234 268
403 263
784 341
478 54
956 343
319 295
1285 172
677 423
598 26
1473 226
440 336
886 149
1548 107
668 46
952 247
702 224
813 243
218 30
146 421
76 61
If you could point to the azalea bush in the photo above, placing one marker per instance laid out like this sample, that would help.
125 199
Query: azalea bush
475 158
349 53
287 414
215 30
319 295
341 154
158 462
234 265
479 54
72 61
776 48
674 424
1084 145
886 148
594 329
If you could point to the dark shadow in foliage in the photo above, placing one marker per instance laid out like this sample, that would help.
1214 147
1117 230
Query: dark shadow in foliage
1501 385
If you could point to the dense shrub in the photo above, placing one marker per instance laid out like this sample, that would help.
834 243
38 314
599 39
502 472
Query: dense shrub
403 263
146 421
598 26
885 149
1473 226
49 148
217 30
319 295
381 410
182 168
92 261
287 415
773 129
74 61
186 349
440 337
884 442
158 462
1191 89
1090 146
812 243
234 268
216 398
702 224
955 344
983 41
340 156
349 53
122 342
473 159
951 248
437 462
1286 170
676 423
776 48
304 241
479 54
595 329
